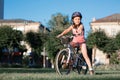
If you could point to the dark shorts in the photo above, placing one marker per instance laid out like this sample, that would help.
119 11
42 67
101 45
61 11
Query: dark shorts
76 44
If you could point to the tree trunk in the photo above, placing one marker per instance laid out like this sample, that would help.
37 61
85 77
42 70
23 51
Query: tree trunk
93 55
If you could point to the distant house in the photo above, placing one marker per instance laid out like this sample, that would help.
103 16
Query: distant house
111 26
24 26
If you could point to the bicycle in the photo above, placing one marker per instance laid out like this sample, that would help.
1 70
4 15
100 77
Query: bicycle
70 59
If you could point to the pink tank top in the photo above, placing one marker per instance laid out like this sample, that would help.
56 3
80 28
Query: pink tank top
78 37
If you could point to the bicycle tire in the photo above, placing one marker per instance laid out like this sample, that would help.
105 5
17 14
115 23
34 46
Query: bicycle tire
59 62
82 66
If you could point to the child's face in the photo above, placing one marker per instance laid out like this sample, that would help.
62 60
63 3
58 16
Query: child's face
76 20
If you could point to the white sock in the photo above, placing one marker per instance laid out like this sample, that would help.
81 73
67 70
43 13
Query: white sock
90 69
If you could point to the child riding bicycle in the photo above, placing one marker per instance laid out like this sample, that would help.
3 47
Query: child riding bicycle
78 37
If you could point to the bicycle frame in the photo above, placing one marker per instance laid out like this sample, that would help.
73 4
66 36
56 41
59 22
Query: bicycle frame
69 55
70 51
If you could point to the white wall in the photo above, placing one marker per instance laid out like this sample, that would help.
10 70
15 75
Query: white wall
111 29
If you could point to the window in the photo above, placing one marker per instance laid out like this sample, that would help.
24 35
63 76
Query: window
113 32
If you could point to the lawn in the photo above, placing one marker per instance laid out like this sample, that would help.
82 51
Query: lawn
50 74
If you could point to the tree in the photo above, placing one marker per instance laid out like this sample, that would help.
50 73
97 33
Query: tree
35 40
10 37
97 39
110 46
117 40
58 21
53 44
57 24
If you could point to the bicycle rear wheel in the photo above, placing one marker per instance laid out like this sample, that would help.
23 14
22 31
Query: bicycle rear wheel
61 62
82 66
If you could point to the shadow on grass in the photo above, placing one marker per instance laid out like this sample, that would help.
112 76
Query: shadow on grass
100 75
46 70
26 70
107 72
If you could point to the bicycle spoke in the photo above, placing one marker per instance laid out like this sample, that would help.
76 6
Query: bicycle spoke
61 62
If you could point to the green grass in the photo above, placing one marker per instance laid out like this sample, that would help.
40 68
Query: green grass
50 74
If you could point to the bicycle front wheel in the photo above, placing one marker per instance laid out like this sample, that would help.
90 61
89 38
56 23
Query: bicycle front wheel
61 65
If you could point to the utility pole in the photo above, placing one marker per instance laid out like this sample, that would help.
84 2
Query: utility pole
44 51
44 58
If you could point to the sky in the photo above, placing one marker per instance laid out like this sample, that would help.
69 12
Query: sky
42 10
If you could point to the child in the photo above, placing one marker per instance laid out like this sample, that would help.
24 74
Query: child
78 32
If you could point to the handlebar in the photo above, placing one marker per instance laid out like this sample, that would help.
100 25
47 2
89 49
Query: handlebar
66 39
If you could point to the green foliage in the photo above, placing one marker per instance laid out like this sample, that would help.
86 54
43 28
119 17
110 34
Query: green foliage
5 32
10 37
35 41
115 44
102 39
57 24
114 59
44 38
103 42
91 39
117 40
106 44
58 21
53 44
110 46
98 39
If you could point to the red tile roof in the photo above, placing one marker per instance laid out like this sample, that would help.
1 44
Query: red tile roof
111 18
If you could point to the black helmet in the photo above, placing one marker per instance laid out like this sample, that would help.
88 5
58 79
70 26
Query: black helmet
76 14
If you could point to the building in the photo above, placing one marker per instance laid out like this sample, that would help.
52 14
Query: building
20 24
1 9
111 26
24 26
